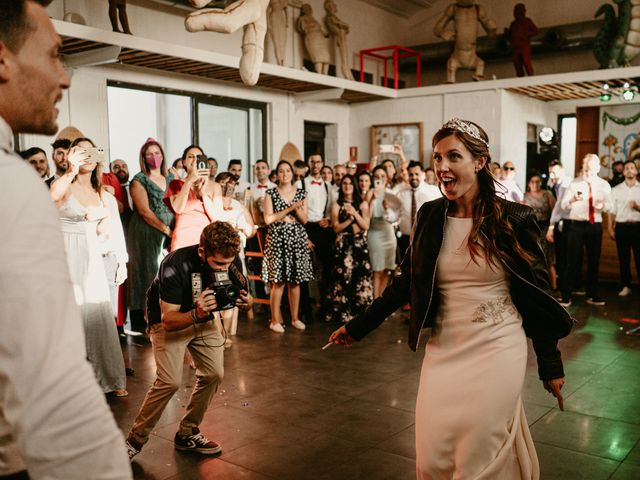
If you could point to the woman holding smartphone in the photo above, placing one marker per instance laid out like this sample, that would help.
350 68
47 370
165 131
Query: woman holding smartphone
85 215
190 199
475 274
384 207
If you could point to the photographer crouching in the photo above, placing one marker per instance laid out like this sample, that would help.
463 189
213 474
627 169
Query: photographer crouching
183 312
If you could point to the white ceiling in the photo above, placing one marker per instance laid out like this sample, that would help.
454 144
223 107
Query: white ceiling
403 8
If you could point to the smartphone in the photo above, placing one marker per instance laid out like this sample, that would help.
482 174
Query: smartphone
579 194
386 148
202 163
94 155
378 183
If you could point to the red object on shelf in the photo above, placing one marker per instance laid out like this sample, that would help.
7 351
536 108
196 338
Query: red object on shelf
396 53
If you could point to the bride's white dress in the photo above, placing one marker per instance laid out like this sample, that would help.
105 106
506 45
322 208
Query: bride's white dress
470 421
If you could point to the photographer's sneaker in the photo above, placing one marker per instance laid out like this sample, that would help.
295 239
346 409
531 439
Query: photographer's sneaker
196 442
595 301
132 448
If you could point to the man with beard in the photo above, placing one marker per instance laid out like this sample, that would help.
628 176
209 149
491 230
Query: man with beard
54 420
59 156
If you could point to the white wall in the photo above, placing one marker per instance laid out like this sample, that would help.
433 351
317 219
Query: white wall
517 112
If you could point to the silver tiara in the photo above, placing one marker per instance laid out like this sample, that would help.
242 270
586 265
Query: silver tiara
466 127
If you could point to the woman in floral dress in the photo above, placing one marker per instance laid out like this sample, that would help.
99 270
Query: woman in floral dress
351 289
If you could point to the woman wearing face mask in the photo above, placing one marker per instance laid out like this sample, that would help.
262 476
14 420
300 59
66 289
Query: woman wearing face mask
475 273
150 228
88 214
190 199
177 169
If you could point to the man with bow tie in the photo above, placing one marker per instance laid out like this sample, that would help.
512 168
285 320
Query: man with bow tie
319 230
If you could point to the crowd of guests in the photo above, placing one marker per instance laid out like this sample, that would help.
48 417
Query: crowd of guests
332 237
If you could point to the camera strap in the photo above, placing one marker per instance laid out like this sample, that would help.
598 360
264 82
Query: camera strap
196 285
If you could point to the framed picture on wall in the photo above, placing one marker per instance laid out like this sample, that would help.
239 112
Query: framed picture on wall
409 135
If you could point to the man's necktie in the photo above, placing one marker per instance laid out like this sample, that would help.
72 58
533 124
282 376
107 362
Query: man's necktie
414 206
592 211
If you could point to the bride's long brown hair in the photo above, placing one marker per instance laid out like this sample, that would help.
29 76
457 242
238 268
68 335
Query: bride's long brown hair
486 208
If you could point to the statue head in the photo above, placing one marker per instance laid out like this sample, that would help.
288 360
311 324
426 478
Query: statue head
306 9
330 6
519 11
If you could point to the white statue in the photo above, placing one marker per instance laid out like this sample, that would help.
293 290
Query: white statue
314 39
339 30
249 14
278 22
465 15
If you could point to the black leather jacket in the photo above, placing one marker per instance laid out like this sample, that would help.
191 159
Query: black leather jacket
544 319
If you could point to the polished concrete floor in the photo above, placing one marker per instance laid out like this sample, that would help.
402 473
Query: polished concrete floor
288 410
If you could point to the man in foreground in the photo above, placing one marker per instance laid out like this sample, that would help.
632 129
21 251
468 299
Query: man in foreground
54 421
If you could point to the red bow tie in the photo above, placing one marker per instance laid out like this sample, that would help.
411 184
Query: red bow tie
262 186
313 182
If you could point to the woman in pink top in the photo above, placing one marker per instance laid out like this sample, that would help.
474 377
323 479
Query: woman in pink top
191 200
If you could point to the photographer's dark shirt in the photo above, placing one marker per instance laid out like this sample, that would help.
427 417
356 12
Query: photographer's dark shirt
175 280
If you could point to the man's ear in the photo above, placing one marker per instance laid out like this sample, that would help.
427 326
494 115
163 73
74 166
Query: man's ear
201 254
5 63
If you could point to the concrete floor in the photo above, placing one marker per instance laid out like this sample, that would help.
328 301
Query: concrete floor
288 410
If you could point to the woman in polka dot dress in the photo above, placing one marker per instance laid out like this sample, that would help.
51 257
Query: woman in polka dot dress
287 258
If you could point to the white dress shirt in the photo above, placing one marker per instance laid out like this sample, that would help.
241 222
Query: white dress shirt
558 212
318 198
53 416
258 190
621 196
424 193
509 190
601 198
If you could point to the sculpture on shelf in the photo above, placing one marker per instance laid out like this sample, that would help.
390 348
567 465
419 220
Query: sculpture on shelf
251 15
618 40
465 15
314 39
278 22
339 30
521 30
118 9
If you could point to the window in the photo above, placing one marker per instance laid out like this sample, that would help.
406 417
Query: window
225 128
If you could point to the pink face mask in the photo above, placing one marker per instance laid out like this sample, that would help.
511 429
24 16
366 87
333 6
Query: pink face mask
154 160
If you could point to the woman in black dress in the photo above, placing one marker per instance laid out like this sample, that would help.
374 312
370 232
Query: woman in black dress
287 258
351 289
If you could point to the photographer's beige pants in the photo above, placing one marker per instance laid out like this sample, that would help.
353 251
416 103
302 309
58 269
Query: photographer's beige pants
206 346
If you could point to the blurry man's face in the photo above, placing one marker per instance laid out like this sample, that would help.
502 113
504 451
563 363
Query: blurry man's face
236 169
618 168
262 171
60 159
39 163
509 171
630 171
338 172
120 169
591 167
415 176
315 165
